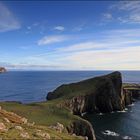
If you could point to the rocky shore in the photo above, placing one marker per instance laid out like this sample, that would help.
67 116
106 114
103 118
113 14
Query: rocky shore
65 106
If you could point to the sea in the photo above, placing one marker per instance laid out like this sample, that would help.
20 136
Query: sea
33 86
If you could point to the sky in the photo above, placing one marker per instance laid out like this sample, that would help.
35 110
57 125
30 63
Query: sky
93 35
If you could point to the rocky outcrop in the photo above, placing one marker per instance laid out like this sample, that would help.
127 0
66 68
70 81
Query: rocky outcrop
99 94
131 92
82 128
12 117
2 69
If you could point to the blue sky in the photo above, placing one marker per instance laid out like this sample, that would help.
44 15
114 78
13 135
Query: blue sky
90 35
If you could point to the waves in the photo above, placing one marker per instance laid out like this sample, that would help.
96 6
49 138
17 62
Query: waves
114 134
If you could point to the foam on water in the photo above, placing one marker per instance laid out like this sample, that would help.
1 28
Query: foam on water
100 114
110 133
127 138
123 111
131 104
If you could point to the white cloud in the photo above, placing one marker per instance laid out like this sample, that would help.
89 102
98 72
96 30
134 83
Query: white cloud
59 28
107 16
114 50
121 59
7 20
52 39
127 11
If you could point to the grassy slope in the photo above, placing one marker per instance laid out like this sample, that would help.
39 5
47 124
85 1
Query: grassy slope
81 88
43 114
32 130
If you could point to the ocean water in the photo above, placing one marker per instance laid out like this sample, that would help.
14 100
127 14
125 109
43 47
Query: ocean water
32 86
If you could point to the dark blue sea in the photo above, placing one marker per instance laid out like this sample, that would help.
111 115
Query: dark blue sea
32 86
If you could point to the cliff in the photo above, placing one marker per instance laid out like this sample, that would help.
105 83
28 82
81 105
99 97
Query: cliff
131 92
99 94
2 69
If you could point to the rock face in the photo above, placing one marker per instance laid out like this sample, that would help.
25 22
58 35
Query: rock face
131 92
2 69
83 128
99 94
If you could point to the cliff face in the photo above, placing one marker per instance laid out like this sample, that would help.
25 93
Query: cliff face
83 128
2 69
100 94
131 92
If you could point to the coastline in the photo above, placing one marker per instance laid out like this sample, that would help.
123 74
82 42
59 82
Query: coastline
56 111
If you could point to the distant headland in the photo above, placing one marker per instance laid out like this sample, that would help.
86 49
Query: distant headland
2 69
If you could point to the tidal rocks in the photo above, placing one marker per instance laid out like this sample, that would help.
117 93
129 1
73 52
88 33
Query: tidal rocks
2 69
99 94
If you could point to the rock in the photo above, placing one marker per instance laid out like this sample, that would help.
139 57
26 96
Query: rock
131 92
82 128
19 128
127 96
12 117
58 127
2 127
43 135
25 135
6 120
2 69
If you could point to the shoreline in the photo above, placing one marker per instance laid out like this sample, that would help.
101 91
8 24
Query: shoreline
64 107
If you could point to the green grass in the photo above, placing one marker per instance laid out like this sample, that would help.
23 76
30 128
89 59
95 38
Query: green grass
43 114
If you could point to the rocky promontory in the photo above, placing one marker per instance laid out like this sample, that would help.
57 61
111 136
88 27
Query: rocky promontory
2 69
99 94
